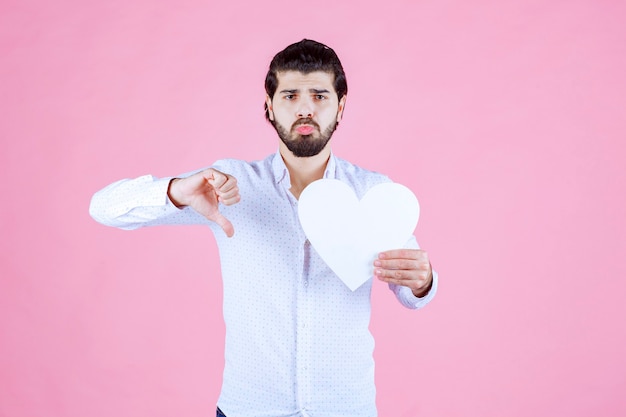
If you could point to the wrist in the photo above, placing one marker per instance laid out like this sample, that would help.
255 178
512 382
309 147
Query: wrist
172 193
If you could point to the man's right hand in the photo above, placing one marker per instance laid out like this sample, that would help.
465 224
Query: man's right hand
203 192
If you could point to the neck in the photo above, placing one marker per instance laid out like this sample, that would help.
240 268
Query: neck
303 171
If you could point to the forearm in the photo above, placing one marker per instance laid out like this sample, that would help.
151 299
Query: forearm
132 203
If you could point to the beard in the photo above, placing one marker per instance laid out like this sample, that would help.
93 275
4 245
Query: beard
304 146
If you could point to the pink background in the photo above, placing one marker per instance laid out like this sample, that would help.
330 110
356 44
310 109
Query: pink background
507 120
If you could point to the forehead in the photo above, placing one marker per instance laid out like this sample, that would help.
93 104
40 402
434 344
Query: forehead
291 80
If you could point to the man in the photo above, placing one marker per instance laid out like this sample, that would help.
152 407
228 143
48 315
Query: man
297 339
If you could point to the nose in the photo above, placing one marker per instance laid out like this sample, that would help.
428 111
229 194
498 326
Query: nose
305 110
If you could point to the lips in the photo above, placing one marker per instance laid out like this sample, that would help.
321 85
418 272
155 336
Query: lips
305 129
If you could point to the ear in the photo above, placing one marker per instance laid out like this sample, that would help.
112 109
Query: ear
270 110
342 106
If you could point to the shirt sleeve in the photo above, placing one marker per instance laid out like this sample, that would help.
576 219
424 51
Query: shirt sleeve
404 294
132 203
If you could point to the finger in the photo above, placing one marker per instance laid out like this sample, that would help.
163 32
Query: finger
406 264
415 283
395 274
224 223
401 254
421 273
216 178
229 185
227 194
230 200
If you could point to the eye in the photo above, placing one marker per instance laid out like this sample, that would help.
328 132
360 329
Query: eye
320 97
290 97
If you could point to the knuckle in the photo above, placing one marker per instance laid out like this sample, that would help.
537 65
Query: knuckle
407 264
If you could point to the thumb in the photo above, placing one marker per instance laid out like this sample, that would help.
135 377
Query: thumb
224 223
217 179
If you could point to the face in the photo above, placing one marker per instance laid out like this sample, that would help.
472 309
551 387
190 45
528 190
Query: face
305 111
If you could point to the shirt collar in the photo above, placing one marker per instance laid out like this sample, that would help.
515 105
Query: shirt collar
281 173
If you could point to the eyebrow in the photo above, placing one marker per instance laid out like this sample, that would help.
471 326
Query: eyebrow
311 90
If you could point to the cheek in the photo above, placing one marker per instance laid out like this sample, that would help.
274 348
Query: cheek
282 113
329 115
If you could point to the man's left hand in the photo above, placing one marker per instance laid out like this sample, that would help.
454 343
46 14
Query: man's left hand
408 267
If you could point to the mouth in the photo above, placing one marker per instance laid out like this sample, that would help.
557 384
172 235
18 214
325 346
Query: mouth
305 129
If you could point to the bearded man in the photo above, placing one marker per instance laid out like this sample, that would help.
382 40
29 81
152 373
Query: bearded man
297 340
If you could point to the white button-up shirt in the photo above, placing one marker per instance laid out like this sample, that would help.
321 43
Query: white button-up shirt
297 339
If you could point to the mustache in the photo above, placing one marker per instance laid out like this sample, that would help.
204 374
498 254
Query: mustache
305 121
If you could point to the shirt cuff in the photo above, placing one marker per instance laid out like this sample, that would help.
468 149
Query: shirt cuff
409 300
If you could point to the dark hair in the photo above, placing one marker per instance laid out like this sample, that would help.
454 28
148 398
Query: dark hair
305 56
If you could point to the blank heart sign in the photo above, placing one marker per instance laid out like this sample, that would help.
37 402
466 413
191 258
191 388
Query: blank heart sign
349 234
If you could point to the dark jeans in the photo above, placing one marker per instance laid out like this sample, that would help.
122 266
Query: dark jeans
219 413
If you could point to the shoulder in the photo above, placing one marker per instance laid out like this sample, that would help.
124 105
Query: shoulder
239 168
